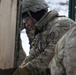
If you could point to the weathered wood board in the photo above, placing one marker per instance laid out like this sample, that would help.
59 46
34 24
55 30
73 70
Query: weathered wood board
8 11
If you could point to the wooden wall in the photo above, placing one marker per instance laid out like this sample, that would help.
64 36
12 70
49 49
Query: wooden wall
8 10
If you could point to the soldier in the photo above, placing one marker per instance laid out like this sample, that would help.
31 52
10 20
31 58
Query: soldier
48 28
64 61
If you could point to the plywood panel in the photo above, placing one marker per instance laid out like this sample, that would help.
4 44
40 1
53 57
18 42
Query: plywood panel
8 10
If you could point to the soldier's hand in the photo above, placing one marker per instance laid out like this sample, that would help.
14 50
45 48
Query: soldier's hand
7 71
22 71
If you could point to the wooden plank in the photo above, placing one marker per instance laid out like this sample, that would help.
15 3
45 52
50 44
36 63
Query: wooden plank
8 10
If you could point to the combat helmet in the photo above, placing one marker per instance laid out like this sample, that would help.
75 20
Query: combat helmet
34 5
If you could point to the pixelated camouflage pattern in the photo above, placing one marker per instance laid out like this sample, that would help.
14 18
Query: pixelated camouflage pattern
52 28
64 61
34 6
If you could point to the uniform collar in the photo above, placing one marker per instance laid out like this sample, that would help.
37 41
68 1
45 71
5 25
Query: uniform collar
46 19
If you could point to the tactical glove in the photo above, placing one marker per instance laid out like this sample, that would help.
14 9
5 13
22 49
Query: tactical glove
22 71
7 71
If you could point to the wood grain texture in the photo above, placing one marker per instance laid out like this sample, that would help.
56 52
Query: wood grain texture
8 10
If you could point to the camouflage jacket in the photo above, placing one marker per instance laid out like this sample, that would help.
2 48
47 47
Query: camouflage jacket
64 61
41 53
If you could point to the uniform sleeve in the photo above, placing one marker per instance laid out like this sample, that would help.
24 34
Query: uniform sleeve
39 64
56 66
28 59
64 60
69 60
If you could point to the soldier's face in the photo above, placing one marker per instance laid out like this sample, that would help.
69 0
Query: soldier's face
29 23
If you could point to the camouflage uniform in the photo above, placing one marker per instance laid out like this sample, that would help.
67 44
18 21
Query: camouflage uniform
64 61
52 27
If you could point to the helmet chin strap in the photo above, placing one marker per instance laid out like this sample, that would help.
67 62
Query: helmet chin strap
34 21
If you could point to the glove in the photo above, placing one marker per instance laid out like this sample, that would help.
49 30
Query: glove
7 71
22 71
